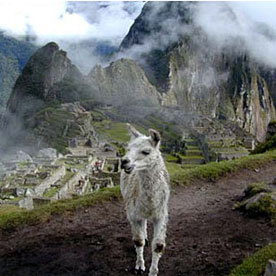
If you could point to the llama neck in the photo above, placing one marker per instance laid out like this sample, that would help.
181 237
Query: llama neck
149 177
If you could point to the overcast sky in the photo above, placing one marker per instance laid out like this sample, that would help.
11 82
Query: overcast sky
64 22
56 20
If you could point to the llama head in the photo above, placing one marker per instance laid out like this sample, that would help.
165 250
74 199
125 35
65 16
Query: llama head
142 151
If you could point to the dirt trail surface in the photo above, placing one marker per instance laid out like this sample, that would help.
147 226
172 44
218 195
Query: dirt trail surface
205 236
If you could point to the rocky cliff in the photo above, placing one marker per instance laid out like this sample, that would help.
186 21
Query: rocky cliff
123 81
193 73
47 67
13 56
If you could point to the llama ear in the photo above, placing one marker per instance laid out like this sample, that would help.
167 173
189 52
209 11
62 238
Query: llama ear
155 136
133 131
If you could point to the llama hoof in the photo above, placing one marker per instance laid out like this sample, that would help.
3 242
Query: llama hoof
138 271
146 242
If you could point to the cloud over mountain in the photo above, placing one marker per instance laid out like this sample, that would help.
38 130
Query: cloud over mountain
61 20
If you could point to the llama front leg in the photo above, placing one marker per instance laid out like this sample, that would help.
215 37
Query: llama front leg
139 237
158 243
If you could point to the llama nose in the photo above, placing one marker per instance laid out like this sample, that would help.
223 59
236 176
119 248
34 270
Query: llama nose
124 163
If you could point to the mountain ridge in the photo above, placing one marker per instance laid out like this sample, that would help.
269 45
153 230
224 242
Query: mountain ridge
186 73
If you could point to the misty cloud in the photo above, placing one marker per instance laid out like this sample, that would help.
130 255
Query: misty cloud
74 21
240 27
110 20
78 27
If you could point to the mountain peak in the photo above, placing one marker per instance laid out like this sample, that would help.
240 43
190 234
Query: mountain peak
47 66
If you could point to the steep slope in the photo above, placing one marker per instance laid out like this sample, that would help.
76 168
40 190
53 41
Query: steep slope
55 126
123 81
193 73
45 68
13 56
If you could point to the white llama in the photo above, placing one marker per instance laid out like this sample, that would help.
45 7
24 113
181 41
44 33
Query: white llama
145 189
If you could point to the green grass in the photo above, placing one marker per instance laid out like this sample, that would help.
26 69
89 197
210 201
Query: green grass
115 131
7 209
190 166
256 188
171 158
173 169
189 157
265 207
267 145
255 265
230 150
209 172
12 218
50 192
191 148
67 177
98 114
165 128
213 171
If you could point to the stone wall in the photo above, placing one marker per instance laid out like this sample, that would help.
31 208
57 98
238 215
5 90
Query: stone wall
57 174
27 203
68 187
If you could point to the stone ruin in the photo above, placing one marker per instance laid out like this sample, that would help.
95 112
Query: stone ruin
29 182
98 183
222 141
112 165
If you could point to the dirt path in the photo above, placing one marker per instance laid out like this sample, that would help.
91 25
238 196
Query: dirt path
205 237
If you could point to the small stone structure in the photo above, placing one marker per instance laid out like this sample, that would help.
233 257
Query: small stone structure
112 165
58 173
98 183
80 141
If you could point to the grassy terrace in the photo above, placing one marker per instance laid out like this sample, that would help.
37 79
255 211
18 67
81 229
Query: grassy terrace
213 171
10 220
50 192
115 131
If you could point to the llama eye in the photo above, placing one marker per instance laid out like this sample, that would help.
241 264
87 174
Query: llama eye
145 152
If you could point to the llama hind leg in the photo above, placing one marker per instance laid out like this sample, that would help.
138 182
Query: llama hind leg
139 237
158 243
146 233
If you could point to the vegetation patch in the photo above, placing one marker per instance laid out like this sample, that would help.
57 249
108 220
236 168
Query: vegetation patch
115 131
50 192
67 177
265 207
259 201
6 209
12 218
255 265
256 188
172 158
269 144
173 169
213 171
